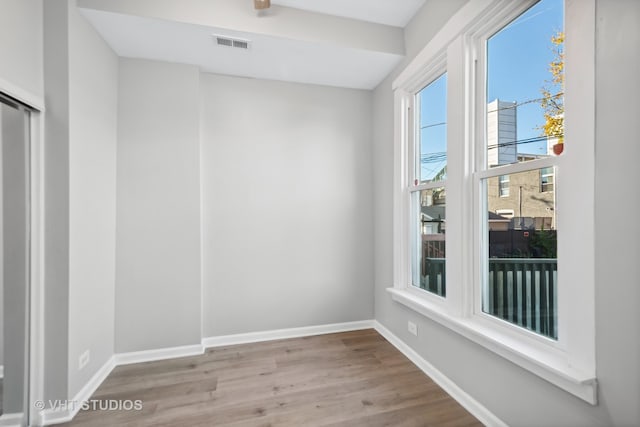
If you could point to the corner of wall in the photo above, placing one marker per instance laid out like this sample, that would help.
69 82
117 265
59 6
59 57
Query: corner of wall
56 80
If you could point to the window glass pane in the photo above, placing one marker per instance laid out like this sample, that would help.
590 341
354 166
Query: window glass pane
14 258
525 86
428 267
521 284
547 177
432 147
503 184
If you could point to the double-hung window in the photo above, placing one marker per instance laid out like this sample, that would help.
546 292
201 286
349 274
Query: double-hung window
428 191
483 184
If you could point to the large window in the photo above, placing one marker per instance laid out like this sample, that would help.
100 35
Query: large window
483 183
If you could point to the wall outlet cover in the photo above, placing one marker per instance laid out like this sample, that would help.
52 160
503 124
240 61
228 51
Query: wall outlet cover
84 359
413 328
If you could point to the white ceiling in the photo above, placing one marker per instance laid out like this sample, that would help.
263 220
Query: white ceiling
298 44
389 12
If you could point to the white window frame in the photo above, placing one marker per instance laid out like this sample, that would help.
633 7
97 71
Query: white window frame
437 69
36 105
569 362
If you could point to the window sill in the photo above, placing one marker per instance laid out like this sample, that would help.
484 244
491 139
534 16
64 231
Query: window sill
547 365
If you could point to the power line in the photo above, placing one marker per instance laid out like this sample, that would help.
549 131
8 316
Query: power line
529 101
439 156
510 107
429 171
433 125
525 141
434 158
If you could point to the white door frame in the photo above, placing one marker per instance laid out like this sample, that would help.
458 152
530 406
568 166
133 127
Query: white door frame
35 389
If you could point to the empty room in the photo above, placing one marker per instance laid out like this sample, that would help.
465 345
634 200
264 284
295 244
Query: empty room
319 213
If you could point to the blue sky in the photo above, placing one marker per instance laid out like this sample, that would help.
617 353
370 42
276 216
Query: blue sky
518 66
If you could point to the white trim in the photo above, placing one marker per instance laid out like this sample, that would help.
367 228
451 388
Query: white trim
514 168
65 413
11 420
401 263
24 96
550 364
52 416
575 189
36 288
36 106
456 25
479 411
280 334
158 354
201 199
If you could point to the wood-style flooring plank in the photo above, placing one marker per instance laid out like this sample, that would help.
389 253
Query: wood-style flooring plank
345 379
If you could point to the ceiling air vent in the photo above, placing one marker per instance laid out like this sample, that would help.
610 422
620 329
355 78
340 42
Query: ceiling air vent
231 42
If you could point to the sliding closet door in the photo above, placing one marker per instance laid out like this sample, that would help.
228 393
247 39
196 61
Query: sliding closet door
14 260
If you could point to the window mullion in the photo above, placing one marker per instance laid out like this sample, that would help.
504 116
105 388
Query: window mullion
402 159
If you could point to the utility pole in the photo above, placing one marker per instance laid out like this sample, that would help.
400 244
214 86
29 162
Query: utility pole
520 203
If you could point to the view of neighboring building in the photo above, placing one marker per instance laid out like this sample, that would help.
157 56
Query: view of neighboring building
502 133
527 199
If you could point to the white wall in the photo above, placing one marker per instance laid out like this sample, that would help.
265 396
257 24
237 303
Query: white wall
21 50
21 55
80 154
516 396
56 170
158 279
21 45
93 77
287 198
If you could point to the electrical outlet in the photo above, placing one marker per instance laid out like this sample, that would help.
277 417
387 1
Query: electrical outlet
413 328
83 359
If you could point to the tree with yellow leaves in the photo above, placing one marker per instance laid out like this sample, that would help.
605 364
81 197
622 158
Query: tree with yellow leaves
552 101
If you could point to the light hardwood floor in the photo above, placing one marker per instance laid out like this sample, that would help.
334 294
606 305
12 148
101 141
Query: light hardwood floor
344 379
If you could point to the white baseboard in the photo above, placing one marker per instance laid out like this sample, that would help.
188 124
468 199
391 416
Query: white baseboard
279 334
51 416
158 354
63 412
11 420
479 411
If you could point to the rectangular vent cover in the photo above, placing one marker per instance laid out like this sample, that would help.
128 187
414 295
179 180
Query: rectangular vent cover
240 44
231 42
